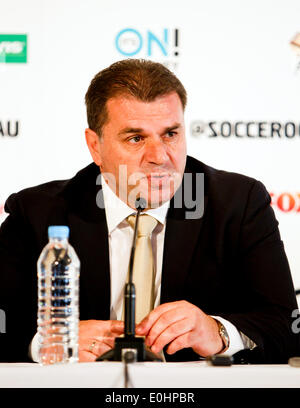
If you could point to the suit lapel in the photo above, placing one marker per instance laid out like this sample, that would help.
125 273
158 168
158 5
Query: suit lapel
89 236
181 237
91 245
180 240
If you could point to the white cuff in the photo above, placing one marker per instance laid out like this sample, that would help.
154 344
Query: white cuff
34 348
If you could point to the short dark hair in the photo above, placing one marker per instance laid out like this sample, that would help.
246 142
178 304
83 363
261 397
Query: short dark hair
143 79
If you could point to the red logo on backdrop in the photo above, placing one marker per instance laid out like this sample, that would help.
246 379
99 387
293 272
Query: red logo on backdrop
286 202
1 208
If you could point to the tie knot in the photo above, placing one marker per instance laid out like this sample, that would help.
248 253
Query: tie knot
146 224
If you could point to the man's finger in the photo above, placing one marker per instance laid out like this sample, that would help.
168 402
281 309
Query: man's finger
85 357
116 326
97 344
169 334
163 322
100 349
98 328
179 343
108 340
145 325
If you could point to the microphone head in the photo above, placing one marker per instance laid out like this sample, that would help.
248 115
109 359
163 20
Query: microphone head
140 204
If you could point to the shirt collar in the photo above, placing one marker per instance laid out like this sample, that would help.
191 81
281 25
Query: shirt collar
117 211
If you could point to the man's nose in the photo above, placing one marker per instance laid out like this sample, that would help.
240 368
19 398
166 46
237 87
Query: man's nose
156 152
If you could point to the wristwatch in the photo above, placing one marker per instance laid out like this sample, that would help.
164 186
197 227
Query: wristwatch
224 336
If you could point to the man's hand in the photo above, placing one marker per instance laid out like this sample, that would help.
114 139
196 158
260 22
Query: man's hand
96 337
181 325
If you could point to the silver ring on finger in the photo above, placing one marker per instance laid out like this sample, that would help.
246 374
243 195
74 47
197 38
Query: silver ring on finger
91 347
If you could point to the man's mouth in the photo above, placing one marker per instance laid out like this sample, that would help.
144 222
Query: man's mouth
159 180
158 176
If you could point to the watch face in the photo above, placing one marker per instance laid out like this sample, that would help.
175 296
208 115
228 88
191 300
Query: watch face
224 336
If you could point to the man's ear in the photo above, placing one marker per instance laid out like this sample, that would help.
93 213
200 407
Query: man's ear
94 145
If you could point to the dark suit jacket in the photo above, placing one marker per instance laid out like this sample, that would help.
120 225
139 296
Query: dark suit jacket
230 262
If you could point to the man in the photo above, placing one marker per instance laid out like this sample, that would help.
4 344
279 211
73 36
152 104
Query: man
222 282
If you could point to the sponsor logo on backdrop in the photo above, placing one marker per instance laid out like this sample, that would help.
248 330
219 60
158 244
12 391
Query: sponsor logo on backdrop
13 48
286 202
295 44
245 129
159 44
9 128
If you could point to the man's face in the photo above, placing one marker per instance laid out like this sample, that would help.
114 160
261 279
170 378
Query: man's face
148 138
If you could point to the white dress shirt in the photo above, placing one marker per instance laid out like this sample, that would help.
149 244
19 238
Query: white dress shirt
120 241
120 236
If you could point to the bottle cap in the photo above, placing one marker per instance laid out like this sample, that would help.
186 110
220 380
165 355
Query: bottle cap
58 231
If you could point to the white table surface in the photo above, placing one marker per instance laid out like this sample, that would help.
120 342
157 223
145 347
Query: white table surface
148 375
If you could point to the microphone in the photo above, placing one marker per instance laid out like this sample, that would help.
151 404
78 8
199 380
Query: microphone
129 293
140 204
130 348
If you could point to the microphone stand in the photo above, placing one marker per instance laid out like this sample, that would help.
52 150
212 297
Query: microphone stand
130 348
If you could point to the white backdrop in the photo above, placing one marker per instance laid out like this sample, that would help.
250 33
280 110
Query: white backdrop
234 58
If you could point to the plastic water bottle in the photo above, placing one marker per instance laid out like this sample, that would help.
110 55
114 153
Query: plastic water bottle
58 299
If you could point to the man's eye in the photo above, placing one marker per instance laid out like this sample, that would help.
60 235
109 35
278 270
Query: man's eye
171 133
135 139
